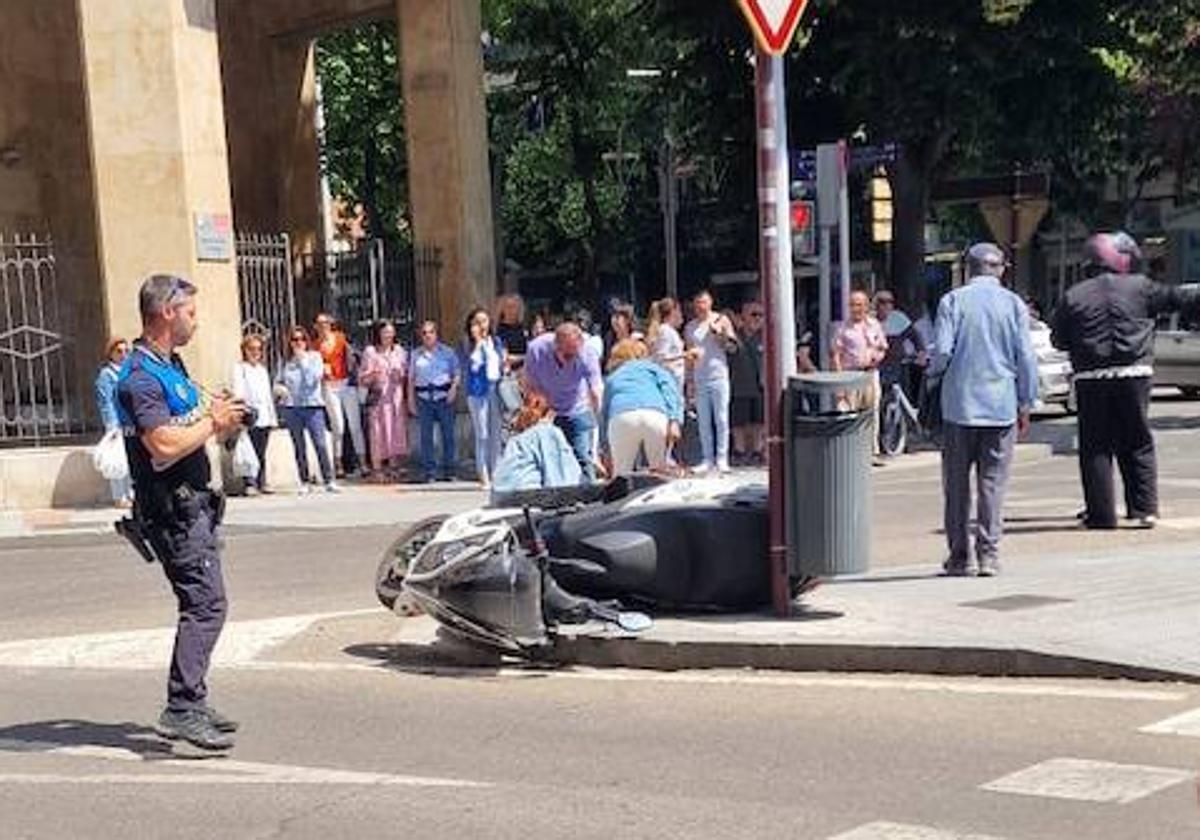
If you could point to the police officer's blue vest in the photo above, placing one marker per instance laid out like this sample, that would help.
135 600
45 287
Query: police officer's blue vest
182 396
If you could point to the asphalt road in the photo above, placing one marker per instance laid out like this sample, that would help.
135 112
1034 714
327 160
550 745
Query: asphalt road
1044 496
336 744
375 753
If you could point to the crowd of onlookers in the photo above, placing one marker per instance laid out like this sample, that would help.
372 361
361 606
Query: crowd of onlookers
671 392
554 401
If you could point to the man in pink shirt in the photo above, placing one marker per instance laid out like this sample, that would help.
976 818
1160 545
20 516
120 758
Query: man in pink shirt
861 344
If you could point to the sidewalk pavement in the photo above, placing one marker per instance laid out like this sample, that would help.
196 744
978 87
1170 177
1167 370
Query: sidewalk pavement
1108 617
358 505
1118 604
1135 617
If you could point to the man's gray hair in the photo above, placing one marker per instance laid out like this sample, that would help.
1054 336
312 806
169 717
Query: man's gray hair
986 259
567 329
162 291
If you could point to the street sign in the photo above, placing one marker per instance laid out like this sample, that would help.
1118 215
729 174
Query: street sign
773 22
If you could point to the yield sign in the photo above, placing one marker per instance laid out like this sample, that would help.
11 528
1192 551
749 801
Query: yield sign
773 22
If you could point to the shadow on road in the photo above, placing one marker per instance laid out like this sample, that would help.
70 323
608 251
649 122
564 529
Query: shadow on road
1174 423
442 654
47 735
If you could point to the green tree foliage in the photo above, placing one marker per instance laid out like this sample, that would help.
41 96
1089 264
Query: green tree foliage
1086 88
569 129
363 150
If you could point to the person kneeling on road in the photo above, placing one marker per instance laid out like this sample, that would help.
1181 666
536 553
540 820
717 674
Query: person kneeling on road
166 430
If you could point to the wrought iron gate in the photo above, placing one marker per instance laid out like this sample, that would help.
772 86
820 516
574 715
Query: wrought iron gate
267 290
39 400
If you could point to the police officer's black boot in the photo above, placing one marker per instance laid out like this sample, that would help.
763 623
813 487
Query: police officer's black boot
195 727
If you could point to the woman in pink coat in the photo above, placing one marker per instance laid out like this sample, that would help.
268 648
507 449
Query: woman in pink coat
383 371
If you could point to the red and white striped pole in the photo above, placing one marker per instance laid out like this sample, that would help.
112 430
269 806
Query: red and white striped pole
778 294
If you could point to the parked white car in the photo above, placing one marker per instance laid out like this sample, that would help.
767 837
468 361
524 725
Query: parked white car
1177 354
1054 370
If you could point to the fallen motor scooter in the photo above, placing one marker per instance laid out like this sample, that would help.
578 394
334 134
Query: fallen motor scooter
507 575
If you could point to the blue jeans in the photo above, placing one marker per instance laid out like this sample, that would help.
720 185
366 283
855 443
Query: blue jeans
485 420
712 413
438 413
579 430
311 419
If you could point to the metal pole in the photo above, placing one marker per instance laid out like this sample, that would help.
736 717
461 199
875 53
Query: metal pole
825 295
774 228
670 217
844 228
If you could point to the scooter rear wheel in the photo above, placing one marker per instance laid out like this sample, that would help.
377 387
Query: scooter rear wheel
394 565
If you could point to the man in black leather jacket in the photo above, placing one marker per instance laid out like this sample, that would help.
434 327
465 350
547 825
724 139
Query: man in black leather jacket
1106 323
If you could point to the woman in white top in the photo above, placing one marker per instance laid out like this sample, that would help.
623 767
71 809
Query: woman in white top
484 361
663 339
713 336
252 385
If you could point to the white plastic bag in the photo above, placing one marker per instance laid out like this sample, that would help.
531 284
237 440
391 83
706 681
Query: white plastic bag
245 459
108 456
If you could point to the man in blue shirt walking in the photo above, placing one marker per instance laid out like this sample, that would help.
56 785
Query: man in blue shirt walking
985 358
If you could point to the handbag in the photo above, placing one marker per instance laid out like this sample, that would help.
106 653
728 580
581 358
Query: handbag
245 459
509 391
108 456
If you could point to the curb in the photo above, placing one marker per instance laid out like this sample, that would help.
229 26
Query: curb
428 646
848 658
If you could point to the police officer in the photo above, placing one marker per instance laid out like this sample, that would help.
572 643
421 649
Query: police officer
166 428
1106 323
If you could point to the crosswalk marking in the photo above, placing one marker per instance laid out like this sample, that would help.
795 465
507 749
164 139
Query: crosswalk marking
241 641
1089 781
193 779
217 770
899 831
1187 724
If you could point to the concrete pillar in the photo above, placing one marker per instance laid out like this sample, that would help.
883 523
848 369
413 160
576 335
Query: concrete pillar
445 120
270 103
159 157
45 169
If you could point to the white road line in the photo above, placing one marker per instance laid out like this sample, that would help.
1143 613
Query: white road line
1187 724
313 777
214 770
241 641
899 831
1089 781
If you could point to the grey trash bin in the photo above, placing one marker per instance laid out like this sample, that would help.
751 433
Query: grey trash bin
829 474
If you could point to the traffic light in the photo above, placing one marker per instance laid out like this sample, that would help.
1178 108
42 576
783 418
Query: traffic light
881 207
804 242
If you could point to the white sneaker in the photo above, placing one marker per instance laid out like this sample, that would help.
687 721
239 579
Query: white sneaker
333 487
701 469
723 469
304 490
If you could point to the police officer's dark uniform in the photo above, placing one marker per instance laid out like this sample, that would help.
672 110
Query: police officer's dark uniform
1107 325
179 515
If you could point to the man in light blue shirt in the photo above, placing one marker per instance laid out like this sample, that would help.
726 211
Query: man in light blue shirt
988 370
433 375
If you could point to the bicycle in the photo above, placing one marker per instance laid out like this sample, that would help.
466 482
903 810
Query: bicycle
899 418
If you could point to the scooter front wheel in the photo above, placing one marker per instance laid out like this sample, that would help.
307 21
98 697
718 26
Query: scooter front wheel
398 557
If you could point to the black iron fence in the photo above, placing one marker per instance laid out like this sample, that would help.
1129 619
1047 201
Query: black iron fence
40 398
266 290
377 279
358 286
